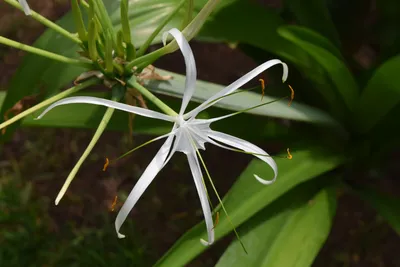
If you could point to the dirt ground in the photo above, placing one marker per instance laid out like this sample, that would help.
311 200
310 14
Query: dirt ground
359 237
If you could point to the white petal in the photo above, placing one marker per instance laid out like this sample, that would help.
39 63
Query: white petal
239 83
247 147
108 103
147 177
198 180
25 6
190 83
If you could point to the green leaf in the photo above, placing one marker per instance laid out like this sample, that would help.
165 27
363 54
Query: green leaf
250 23
315 15
247 197
204 90
290 232
38 74
387 206
89 116
337 72
380 96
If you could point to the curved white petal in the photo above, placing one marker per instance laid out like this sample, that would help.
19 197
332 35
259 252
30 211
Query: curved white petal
248 147
147 177
191 72
239 83
108 103
25 6
198 180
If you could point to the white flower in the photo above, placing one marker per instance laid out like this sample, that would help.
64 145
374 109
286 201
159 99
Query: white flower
25 6
188 134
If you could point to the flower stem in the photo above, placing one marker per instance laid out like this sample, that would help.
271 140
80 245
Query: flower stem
148 58
100 129
44 53
49 101
156 101
46 22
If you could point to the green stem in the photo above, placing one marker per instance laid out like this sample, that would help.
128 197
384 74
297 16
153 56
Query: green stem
156 101
102 126
44 53
49 101
47 22
148 58
146 45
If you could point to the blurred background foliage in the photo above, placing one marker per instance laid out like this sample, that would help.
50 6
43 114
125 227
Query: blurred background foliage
342 131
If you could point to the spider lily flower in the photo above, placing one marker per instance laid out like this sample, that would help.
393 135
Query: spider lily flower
188 134
25 6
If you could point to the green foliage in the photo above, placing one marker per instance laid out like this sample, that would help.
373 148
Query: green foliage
247 197
338 108
289 232
379 97
29 237
387 206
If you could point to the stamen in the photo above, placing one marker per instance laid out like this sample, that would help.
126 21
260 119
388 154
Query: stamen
291 95
289 156
262 88
106 164
216 220
220 200
112 208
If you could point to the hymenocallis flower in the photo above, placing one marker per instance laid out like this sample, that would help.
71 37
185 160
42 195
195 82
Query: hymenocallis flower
188 134
25 5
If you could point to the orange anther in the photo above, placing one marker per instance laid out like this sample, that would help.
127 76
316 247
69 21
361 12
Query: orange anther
114 203
289 156
291 95
262 88
106 164
216 220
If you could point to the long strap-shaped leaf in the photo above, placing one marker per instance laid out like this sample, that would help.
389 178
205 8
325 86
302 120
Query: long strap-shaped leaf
247 197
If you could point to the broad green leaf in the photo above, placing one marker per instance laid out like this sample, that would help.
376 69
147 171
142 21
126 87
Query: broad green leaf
250 23
241 101
388 207
336 70
285 234
315 15
89 116
247 197
379 97
315 38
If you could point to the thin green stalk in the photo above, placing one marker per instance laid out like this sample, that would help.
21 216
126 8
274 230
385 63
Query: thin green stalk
47 22
189 14
193 28
79 24
107 24
189 32
146 93
148 58
44 53
49 101
146 45
220 200
102 126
